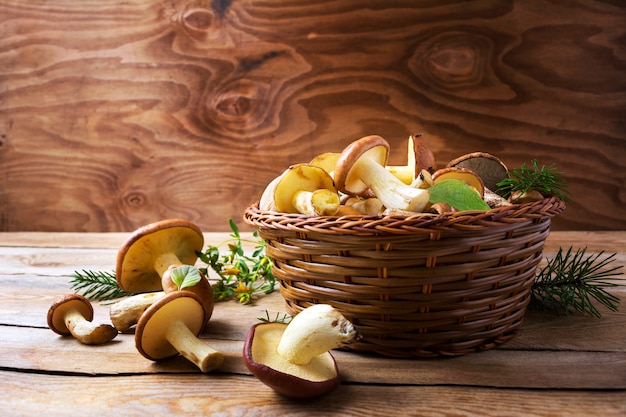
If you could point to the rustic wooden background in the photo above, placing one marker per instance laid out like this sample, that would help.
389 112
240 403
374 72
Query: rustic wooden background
115 114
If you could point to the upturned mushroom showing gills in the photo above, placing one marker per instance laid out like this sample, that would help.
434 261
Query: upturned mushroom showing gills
171 326
302 188
151 249
361 167
294 359
73 314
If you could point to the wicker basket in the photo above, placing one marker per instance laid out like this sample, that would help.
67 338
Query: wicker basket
419 286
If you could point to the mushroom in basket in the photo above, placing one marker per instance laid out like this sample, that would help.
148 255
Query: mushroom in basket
294 359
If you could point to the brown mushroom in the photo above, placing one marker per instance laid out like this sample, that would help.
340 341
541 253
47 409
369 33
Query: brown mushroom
200 285
171 326
301 188
488 167
419 157
73 314
294 359
361 167
151 249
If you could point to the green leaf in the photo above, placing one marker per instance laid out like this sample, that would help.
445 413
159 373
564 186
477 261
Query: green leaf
458 194
186 276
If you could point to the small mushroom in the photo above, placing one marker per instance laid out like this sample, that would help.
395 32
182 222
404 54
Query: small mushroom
151 249
302 188
528 196
361 167
201 287
73 314
419 157
488 167
171 326
294 359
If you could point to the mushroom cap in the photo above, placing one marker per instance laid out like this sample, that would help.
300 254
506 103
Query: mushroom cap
135 271
318 377
299 177
487 166
327 161
424 157
462 174
183 306
202 289
374 147
61 306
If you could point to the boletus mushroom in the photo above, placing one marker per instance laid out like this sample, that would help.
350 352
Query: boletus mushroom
171 326
73 314
419 157
487 166
150 250
294 359
302 188
361 167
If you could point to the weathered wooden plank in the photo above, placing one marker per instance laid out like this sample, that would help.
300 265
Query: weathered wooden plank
227 395
141 110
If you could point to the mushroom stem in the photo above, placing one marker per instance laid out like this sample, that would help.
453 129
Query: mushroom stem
125 313
315 330
88 332
164 261
320 202
391 191
188 345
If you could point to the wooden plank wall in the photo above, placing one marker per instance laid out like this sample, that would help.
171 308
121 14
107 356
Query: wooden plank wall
115 114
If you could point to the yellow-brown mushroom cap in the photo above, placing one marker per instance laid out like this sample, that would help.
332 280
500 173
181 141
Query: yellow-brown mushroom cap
135 268
56 313
183 306
374 147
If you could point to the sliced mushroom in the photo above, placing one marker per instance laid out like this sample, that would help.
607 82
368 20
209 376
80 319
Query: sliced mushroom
302 188
419 157
327 161
151 249
361 167
171 326
73 314
294 359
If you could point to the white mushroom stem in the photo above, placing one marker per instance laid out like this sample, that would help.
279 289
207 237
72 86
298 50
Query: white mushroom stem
314 331
320 202
192 348
88 332
125 313
392 192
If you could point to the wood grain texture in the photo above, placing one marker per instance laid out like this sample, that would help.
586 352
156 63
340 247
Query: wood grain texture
117 114
555 366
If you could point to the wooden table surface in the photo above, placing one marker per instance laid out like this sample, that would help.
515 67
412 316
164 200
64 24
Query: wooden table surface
556 365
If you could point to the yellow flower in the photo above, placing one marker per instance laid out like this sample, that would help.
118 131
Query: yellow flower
232 271
242 288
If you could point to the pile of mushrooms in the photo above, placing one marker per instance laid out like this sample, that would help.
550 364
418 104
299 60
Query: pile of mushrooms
358 181
172 304
294 359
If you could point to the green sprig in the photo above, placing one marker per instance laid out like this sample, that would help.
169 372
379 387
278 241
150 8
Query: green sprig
240 276
545 179
97 285
572 281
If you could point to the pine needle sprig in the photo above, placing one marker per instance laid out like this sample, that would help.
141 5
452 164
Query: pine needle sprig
572 281
545 179
96 285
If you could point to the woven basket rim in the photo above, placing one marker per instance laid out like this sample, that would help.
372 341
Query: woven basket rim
401 224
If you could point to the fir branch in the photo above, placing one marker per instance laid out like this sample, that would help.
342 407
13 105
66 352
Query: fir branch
572 281
97 285
545 179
